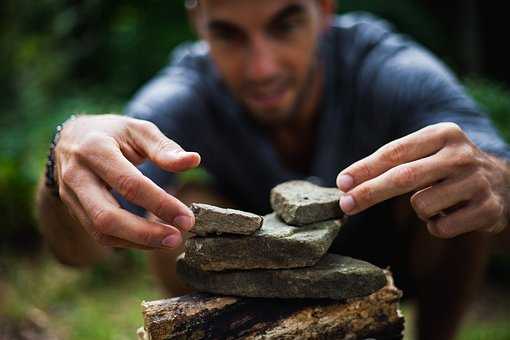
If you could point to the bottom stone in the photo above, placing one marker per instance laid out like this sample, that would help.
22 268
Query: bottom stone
334 276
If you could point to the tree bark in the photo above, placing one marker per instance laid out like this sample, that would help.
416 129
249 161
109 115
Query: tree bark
206 316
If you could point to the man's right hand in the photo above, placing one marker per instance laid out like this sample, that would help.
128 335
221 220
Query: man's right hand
97 153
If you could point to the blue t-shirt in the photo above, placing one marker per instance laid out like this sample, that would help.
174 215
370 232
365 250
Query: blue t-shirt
379 86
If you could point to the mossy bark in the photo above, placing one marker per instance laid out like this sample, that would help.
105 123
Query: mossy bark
204 316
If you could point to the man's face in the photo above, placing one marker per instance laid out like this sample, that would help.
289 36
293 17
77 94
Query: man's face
264 49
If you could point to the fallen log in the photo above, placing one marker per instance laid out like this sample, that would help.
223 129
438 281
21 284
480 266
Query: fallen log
206 316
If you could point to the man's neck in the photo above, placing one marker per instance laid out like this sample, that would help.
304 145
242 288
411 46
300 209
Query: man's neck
295 141
308 105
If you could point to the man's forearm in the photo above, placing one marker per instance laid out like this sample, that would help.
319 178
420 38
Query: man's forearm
67 239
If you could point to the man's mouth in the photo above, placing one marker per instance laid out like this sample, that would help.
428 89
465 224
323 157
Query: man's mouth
268 98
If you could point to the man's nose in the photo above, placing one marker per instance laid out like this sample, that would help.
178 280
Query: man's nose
261 62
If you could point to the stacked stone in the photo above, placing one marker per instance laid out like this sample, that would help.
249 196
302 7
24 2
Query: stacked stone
280 255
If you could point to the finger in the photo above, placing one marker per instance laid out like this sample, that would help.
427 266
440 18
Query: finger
482 214
115 242
164 152
395 182
120 174
72 204
76 210
416 145
105 240
444 195
108 218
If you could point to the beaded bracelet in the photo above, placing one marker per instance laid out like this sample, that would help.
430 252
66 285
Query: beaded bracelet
51 182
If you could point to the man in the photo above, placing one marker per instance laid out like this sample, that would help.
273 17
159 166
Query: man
281 90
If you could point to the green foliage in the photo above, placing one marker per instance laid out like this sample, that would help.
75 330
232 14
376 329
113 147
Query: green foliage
22 158
51 45
495 99
486 331
62 56
99 303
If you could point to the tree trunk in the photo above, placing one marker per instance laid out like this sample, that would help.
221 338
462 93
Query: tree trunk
205 316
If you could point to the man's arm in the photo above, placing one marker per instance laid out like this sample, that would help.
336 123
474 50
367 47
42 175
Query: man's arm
94 155
439 146
457 187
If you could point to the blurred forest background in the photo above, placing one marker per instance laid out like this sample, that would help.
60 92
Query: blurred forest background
64 56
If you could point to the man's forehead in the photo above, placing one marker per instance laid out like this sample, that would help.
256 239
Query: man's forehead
242 10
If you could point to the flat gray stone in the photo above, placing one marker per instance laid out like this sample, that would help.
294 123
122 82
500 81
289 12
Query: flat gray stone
301 202
334 276
210 219
275 245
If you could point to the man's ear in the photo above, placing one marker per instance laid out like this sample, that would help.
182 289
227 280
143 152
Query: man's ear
194 18
328 9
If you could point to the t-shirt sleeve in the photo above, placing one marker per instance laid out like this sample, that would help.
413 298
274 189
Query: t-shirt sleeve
171 100
413 89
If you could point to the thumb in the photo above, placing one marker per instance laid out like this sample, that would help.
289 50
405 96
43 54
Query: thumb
161 150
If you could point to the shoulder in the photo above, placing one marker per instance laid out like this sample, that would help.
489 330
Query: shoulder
361 45
362 22
193 56
178 87
373 53
357 34
366 43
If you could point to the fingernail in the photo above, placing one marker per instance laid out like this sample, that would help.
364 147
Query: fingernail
347 203
183 222
171 241
187 155
345 182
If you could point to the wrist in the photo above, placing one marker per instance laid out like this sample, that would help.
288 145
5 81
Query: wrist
51 181
505 191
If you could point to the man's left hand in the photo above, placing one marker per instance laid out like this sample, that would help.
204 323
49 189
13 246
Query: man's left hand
457 187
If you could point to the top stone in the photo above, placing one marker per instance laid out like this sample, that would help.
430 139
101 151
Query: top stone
214 220
301 202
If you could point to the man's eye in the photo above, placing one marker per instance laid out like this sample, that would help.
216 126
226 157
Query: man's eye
228 36
286 26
